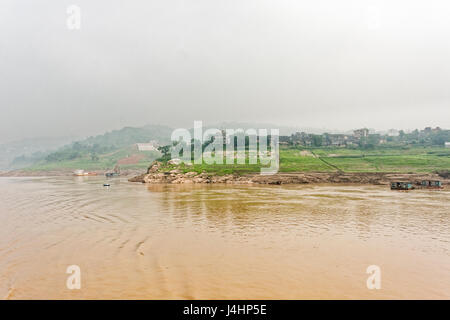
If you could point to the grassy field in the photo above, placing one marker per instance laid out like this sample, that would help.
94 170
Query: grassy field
414 159
404 160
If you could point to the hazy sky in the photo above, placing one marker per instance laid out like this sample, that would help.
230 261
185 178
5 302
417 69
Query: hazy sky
336 64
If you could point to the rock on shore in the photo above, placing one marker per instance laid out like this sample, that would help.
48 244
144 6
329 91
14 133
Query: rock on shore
156 174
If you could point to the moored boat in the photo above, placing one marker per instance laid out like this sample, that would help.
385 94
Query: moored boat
82 173
431 184
398 185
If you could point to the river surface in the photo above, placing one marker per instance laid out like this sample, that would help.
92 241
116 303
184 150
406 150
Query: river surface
136 241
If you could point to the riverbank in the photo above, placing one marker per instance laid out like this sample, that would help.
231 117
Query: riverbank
62 173
158 173
287 178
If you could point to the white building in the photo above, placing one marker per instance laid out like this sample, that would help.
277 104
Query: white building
393 133
151 146
361 133
447 144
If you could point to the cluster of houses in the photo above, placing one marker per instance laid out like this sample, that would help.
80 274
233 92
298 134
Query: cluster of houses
328 139
361 137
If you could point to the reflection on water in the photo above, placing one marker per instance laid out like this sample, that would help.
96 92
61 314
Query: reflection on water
220 241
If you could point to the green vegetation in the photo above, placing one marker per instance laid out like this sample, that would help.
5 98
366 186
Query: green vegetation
130 157
419 151
102 152
379 159
292 159
325 159
220 169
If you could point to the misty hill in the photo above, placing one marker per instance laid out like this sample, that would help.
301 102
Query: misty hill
101 151
20 153
130 135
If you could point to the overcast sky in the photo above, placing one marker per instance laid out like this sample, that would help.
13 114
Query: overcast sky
336 64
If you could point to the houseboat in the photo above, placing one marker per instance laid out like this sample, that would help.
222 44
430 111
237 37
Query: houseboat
431 184
402 186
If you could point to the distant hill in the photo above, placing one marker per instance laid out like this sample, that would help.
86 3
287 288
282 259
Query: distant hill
21 153
101 151
130 135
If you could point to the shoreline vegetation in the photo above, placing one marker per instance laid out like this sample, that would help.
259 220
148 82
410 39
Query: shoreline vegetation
165 173
361 157
298 165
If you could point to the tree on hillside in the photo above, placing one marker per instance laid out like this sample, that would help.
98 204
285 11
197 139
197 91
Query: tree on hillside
94 157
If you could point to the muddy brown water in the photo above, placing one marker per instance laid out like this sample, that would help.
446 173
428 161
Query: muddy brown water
135 241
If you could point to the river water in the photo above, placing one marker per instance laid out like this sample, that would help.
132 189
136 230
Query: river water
136 241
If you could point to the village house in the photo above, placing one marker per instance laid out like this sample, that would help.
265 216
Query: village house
150 146
302 138
284 140
393 133
429 130
361 133
336 140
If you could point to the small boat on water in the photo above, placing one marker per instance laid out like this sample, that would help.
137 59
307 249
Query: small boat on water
82 173
398 185
112 174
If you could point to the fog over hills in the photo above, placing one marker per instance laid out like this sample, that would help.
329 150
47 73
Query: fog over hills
28 147
327 64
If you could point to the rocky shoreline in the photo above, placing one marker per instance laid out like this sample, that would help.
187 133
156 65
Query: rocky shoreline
157 175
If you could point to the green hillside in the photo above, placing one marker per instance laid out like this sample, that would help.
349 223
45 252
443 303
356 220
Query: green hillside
103 152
